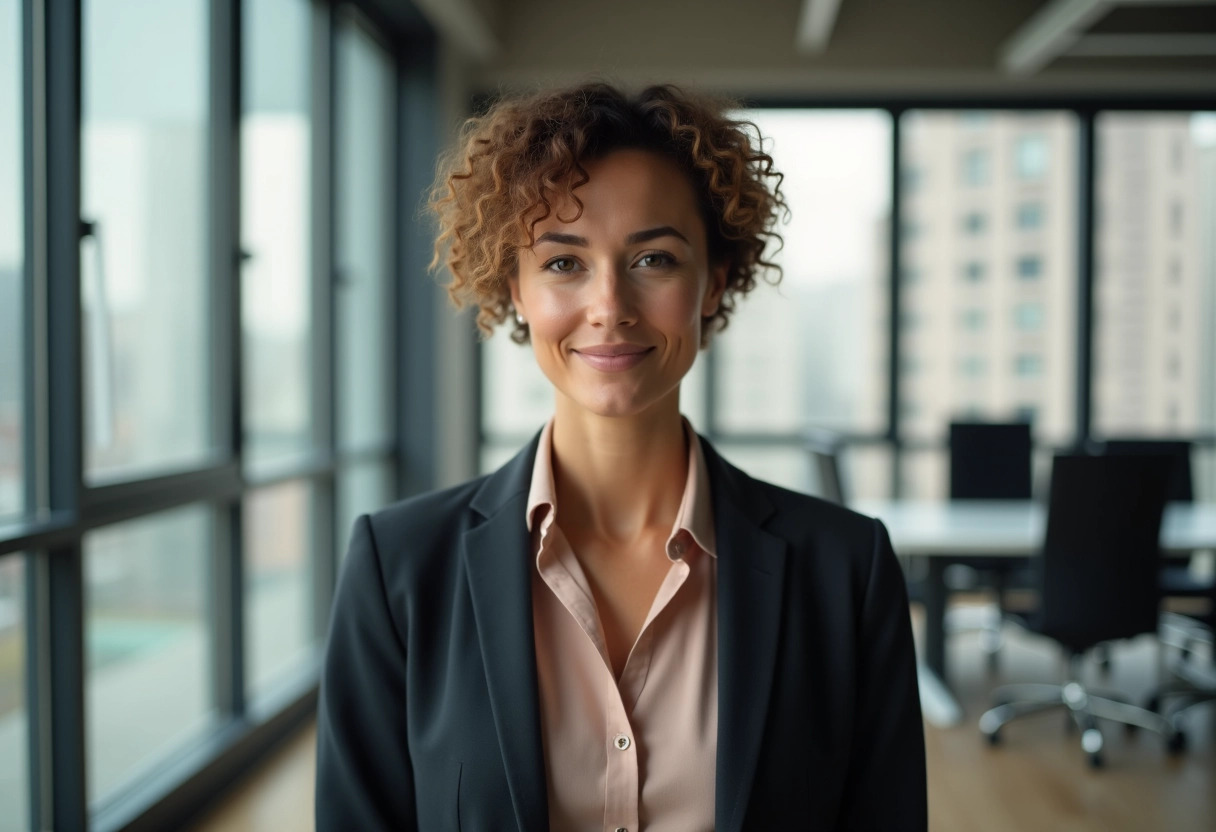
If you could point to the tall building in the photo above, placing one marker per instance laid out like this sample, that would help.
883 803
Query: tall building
989 286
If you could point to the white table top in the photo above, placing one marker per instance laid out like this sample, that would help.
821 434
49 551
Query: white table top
1010 528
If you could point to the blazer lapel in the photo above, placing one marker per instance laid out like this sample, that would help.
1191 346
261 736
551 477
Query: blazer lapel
751 569
497 555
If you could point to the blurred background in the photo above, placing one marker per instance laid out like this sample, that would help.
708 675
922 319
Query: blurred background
219 343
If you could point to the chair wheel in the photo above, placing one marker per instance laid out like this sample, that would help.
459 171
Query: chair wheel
1096 761
1176 743
994 738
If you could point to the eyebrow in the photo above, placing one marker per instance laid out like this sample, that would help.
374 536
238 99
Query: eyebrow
633 239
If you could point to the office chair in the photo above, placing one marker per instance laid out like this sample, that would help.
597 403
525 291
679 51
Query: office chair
992 461
1176 578
1097 583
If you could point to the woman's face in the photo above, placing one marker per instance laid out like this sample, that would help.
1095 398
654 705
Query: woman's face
614 299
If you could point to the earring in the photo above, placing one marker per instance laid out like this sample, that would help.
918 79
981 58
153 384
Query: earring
519 319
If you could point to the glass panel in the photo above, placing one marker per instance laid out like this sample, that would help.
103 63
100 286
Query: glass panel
364 248
1155 275
276 147
362 489
147 643
278 584
12 259
14 719
517 397
865 470
994 311
144 268
825 320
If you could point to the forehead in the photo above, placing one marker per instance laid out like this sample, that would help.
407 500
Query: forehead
628 188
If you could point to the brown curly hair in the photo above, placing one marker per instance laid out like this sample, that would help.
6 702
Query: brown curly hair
525 154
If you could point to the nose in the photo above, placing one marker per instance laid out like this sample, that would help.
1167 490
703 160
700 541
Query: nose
611 303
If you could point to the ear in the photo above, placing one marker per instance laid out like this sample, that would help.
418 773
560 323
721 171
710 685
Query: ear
516 297
714 289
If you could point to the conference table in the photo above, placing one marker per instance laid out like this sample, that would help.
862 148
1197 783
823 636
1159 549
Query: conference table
944 531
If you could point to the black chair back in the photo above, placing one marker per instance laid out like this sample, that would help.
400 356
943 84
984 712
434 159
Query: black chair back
1098 570
1181 489
990 461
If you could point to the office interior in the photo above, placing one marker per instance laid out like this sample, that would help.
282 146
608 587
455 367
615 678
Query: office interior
221 341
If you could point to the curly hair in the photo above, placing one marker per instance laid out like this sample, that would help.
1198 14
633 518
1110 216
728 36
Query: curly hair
526 154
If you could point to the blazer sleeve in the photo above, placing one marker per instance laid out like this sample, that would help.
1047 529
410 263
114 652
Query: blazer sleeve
365 779
886 786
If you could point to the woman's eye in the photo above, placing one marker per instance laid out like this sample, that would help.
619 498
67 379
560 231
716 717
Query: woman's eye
561 264
655 260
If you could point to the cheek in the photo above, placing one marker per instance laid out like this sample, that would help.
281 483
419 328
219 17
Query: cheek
679 309
551 315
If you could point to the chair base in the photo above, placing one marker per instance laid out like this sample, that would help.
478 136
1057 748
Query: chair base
1014 701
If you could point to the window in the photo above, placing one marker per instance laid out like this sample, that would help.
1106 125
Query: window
1028 365
276 205
1030 157
14 715
1029 216
972 366
365 252
823 318
144 264
1026 413
1029 267
973 320
991 321
1028 317
12 262
148 643
976 167
1149 261
278 583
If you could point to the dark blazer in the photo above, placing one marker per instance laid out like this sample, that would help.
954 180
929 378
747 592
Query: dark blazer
429 716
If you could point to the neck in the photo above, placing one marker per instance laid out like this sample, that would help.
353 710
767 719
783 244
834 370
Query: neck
619 477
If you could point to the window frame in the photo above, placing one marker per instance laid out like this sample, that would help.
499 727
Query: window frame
62 508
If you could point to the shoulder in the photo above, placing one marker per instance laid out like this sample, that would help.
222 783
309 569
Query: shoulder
793 515
422 533
426 516
803 516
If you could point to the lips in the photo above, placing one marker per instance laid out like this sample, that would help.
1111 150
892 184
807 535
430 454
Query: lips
614 357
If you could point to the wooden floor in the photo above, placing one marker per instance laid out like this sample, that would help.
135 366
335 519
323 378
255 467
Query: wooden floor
1037 779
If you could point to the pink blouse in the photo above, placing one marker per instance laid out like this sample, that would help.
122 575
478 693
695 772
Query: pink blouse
638 753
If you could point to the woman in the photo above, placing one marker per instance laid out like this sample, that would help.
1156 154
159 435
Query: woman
617 630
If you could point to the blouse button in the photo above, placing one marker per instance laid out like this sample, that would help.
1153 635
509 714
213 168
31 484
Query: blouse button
621 742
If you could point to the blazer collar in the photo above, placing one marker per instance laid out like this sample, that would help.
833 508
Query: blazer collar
751 568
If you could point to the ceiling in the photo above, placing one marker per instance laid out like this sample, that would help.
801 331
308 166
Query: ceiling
848 47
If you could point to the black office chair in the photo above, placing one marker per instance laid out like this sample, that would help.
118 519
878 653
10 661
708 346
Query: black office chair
1176 577
992 461
1097 583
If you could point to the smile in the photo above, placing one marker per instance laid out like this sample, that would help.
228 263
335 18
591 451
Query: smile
612 358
